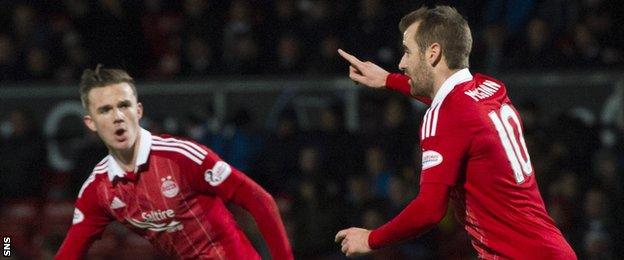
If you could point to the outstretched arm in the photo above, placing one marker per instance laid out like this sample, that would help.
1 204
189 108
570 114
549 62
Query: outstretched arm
231 185
371 75
261 205
419 216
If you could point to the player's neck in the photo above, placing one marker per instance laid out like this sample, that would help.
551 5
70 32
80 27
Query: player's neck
439 77
127 158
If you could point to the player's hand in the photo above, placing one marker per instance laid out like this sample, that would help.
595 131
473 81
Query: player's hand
354 241
365 72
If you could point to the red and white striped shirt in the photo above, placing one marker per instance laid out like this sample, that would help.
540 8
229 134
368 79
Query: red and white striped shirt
175 198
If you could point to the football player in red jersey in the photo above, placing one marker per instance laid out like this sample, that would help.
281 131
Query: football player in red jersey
170 191
473 150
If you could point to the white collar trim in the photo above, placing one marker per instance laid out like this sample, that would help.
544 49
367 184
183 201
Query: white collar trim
449 84
145 145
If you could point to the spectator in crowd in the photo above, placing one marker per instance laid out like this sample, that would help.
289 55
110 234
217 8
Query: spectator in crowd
278 161
159 37
192 39
327 60
241 51
563 195
289 56
316 21
377 171
397 131
238 143
198 58
536 52
23 157
38 64
114 17
600 227
374 217
372 33
612 118
8 58
339 149
358 195
161 29
314 220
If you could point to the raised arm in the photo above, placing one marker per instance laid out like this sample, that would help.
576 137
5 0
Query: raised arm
371 75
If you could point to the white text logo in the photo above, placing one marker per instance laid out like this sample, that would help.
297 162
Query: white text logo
430 159
154 216
483 91
6 246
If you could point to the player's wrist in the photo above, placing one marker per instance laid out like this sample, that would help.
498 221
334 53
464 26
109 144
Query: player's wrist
393 80
373 240
383 80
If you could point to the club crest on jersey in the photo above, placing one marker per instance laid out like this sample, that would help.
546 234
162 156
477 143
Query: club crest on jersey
430 159
219 172
168 187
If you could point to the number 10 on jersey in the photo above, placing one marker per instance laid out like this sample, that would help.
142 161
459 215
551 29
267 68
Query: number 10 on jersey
507 124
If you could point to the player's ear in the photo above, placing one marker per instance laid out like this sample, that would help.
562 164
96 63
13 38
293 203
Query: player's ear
88 121
139 110
434 54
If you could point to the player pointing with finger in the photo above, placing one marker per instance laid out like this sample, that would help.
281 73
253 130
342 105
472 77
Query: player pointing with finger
473 150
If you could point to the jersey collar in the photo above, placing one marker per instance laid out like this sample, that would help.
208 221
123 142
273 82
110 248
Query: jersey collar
114 170
449 84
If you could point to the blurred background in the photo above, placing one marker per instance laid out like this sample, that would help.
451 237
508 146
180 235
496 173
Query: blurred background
261 84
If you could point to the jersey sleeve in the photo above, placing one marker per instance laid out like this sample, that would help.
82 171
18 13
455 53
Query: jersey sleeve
90 220
400 83
447 131
217 177
423 213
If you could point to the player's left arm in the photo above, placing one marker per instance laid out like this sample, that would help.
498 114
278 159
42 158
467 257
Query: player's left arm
234 186
417 218
447 141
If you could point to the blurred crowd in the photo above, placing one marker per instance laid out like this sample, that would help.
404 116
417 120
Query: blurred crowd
325 178
157 39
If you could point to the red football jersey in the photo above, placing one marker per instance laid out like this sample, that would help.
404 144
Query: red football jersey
176 200
471 139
